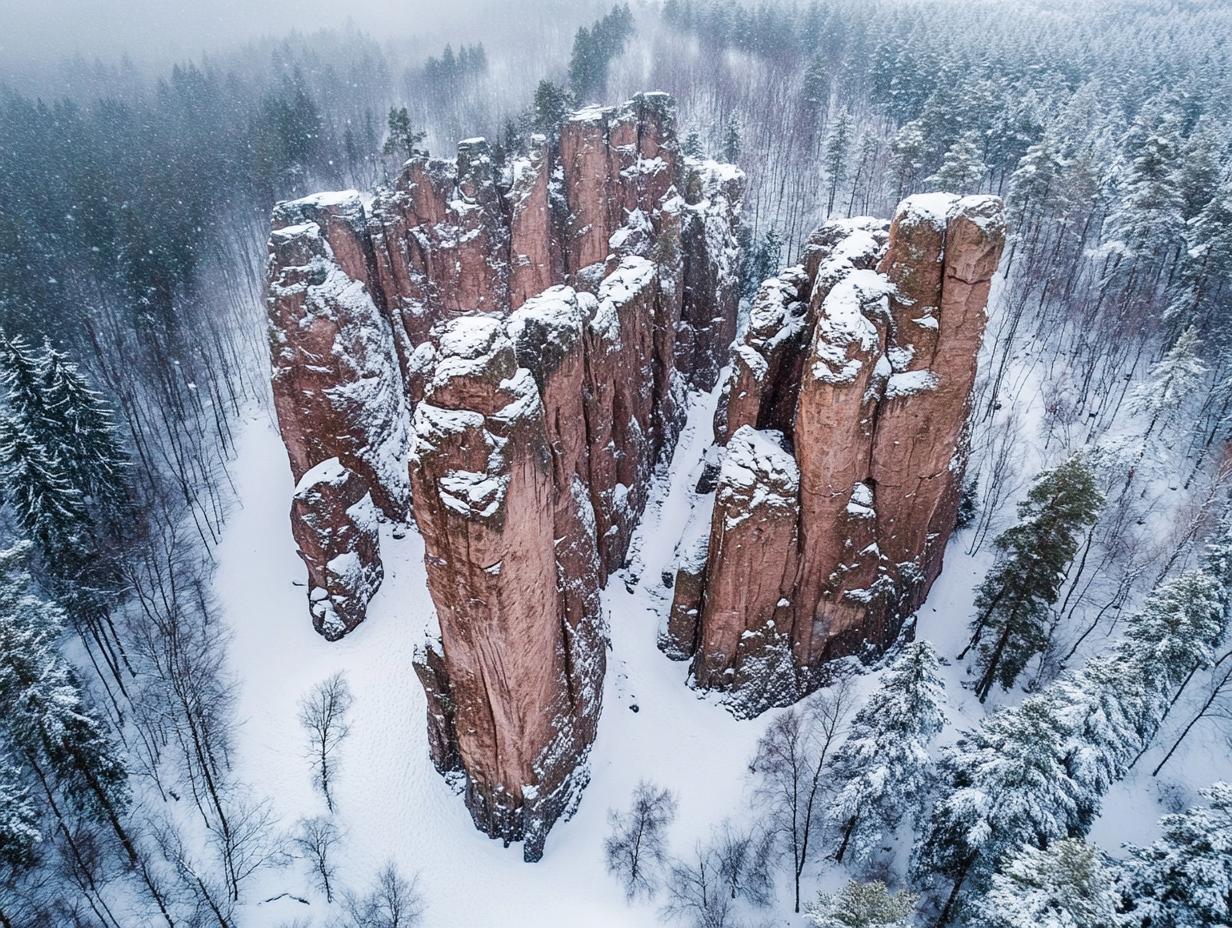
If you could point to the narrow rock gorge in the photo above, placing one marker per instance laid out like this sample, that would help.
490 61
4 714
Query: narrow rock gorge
509 346
502 352
843 418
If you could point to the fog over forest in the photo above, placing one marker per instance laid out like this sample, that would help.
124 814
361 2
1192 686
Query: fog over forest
631 463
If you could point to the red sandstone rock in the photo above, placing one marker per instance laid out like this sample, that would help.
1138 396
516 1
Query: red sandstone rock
540 412
483 483
335 528
877 374
535 258
745 628
335 391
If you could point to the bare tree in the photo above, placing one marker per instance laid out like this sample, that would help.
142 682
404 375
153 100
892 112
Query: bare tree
316 838
697 893
393 902
791 757
635 849
745 861
323 713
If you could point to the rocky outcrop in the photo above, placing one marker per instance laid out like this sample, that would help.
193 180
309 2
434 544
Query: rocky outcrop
866 355
523 713
335 527
517 338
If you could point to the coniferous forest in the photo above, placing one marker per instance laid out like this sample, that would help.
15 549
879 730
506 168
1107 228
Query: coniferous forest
1044 739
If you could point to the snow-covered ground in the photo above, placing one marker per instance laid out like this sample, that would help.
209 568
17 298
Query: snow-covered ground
392 805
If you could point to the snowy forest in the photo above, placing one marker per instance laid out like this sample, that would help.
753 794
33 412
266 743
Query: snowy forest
1046 741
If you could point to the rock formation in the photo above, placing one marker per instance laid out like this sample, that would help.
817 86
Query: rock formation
516 338
822 544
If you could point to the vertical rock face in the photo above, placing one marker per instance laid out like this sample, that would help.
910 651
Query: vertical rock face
517 339
483 482
866 353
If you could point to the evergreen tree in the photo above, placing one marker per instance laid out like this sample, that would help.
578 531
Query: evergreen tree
883 765
1004 785
1066 885
552 105
1183 880
1206 277
815 90
45 504
834 159
692 147
46 720
403 140
1147 216
906 157
1170 382
1014 600
731 140
765 259
962 169
1035 187
82 435
19 834
861 905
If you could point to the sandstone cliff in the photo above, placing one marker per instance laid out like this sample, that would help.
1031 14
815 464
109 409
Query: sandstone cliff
517 339
866 356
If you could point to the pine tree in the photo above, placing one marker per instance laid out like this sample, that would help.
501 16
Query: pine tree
835 157
46 720
403 140
552 105
1206 276
906 156
1014 600
1036 772
1183 880
815 89
883 765
731 140
1066 885
861 905
1035 187
692 147
962 169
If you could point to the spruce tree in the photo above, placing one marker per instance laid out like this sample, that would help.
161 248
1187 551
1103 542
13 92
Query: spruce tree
692 146
1003 785
1147 216
834 159
882 768
961 169
1183 880
19 833
1013 602
1066 885
46 721
732 144
47 507
83 437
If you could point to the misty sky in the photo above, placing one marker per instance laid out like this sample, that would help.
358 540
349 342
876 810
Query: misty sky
161 30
